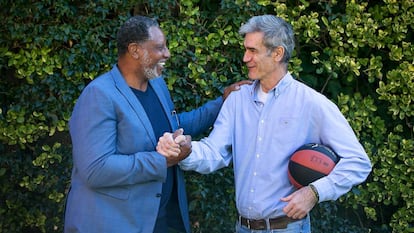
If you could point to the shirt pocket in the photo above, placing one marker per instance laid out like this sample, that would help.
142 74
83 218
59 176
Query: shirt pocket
287 130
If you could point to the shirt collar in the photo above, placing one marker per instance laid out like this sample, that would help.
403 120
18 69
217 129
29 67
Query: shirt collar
276 90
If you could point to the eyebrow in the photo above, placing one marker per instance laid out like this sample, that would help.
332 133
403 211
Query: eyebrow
250 48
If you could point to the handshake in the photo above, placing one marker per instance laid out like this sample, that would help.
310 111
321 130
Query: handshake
174 146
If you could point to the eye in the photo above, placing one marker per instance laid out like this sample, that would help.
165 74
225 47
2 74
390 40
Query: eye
252 50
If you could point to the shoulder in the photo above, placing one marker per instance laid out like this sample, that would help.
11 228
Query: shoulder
309 93
312 100
240 95
102 82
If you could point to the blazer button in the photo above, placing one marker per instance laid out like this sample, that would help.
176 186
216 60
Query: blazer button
158 195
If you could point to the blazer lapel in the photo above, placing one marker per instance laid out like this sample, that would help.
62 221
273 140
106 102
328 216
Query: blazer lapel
164 97
125 90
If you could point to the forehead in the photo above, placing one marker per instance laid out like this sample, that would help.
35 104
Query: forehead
156 35
253 40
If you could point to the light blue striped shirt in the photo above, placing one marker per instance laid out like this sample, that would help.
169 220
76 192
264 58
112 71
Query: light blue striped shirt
260 137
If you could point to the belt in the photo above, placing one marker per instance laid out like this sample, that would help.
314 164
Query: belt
260 224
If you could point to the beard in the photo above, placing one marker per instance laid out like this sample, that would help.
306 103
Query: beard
150 71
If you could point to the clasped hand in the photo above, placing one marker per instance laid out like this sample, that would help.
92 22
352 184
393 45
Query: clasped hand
174 146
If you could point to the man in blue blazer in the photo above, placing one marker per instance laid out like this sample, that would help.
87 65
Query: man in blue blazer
119 183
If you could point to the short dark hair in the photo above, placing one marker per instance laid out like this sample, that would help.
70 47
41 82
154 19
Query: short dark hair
134 30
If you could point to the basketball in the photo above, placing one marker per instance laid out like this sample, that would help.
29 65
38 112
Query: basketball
309 163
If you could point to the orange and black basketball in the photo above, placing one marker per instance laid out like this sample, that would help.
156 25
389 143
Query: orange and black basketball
309 163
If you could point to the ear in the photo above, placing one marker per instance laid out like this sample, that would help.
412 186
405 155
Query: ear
133 50
277 53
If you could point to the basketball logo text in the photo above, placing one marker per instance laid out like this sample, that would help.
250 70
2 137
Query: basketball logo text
318 160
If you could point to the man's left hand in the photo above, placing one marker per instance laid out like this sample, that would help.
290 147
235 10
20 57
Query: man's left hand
300 203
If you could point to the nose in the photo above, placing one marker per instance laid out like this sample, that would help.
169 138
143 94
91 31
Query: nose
167 53
246 57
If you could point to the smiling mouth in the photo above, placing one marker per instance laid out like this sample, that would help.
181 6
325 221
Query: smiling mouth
162 64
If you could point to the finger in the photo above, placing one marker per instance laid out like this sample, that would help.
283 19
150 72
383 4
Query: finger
188 138
167 141
179 139
178 132
166 148
170 152
235 87
162 151
186 142
174 153
292 213
243 82
167 136
287 209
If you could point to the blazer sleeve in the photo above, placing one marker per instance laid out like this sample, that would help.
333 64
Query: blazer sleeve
199 120
194 122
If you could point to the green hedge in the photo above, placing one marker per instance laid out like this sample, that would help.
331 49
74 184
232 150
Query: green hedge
358 53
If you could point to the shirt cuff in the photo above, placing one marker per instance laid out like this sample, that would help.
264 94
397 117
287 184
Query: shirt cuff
324 188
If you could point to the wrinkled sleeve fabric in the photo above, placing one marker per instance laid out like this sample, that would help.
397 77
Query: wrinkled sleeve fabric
213 152
354 165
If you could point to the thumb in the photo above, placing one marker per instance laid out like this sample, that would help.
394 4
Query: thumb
178 132
286 199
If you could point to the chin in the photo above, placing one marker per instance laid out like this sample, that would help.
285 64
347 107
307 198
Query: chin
151 74
251 77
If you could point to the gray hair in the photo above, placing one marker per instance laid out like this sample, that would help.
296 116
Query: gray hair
277 32
134 30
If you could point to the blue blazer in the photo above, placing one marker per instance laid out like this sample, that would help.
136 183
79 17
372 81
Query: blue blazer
117 175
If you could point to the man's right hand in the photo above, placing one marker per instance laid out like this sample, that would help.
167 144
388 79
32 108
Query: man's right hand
235 87
174 147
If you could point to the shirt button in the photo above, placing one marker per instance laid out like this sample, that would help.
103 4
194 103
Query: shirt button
257 155
254 173
158 195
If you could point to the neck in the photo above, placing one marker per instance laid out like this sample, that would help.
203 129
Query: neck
270 83
131 76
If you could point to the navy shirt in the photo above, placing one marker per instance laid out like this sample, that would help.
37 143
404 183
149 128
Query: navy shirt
160 125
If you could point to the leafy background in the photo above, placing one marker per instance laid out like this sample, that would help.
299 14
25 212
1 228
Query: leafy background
357 53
